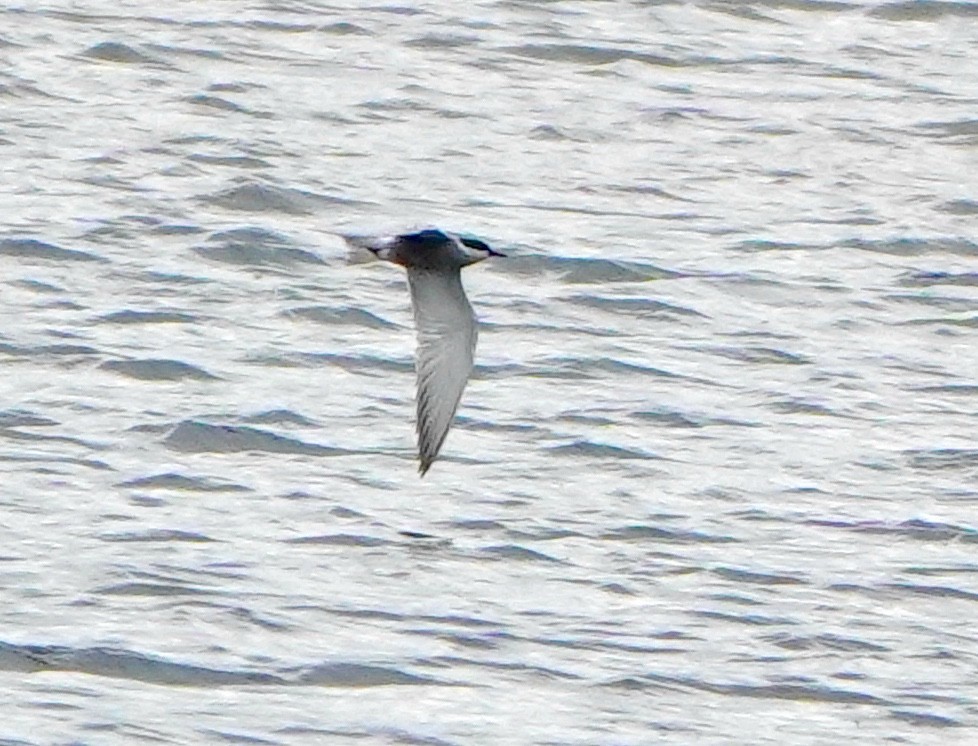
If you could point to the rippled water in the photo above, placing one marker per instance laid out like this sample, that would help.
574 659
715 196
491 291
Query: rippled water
714 480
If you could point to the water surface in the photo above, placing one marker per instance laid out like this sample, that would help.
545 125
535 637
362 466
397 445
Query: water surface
713 480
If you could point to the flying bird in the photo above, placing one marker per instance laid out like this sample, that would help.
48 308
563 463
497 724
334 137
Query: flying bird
445 323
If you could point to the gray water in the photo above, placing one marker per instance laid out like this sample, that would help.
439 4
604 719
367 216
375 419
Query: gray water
713 481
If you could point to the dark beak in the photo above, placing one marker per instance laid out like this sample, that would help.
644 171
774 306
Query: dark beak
493 252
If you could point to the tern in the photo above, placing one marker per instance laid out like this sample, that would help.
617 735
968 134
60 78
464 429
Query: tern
444 320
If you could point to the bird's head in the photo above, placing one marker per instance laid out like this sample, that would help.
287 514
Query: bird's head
476 250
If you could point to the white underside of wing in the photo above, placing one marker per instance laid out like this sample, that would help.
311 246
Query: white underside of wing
446 343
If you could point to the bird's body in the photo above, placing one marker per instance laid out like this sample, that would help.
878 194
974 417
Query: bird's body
446 325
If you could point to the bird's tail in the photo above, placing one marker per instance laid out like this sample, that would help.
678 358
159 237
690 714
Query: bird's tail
362 249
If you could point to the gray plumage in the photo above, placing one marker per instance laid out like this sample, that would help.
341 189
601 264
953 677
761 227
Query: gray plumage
444 320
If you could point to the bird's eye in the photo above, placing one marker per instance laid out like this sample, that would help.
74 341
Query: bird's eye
474 243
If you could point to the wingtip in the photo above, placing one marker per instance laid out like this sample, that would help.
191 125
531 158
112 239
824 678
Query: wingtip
425 460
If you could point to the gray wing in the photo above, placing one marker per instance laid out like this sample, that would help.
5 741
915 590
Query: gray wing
446 343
